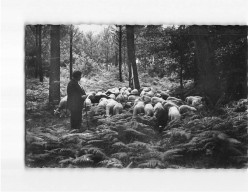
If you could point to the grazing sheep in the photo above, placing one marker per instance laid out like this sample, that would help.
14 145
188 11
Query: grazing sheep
139 108
62 105
142 93
147 89
118 108
173 98
120 98
185 108
149 111
164 95
161 114
87 103
174 113
110 106
134 92
146 99
103 103
132 98
126 92
150 94
112 96
193 100
155 100
168 103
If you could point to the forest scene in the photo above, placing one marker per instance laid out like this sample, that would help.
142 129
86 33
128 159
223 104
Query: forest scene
157 96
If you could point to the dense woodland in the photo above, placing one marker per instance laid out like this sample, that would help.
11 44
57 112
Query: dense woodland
183 61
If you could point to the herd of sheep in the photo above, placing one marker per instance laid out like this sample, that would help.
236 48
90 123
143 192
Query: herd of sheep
144 101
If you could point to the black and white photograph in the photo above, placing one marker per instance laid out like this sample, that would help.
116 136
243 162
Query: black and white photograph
124 96
136 96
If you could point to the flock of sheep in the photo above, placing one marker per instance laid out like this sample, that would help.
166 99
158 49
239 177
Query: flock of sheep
144 101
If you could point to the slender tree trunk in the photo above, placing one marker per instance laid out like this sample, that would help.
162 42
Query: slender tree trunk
181 72
36 51
124 54
131 54
208 78
54 74
120 57
39 56
71 37
116 58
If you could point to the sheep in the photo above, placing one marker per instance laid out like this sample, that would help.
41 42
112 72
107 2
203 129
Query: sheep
146 99
132 98
174 99
168 103
150 94
135 92
62 106
160 114
103 103
164 95
139 108
120 98
118 108
193 100
87 103
185 108
174 113
142 93
110 106
147 89
149 110
155 100
112 96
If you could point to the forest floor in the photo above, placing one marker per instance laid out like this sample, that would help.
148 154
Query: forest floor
206 139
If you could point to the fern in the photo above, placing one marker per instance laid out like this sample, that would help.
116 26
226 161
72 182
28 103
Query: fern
83 160
120 155
63 152
94 150
138 144
171 154
119 145
134 132
152 163
95 141
66 161
111 163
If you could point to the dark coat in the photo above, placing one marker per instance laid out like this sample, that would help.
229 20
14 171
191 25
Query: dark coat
75 93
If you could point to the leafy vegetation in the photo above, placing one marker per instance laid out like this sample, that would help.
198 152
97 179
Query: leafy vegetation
207 139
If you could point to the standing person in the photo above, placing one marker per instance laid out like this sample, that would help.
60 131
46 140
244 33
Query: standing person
76 96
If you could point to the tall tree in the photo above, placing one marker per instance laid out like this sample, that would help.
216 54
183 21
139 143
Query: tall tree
39 54
120 57
36 50
208 74
54 74
131 55
71 38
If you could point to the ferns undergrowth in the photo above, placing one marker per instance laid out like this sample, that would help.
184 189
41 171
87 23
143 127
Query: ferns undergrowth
203 140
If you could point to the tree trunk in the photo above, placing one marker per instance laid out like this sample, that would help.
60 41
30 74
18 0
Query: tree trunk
181 72
71 37
208 78
39 56
54 74
120 57
131 55
36 51
116 58
236 72
124 54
